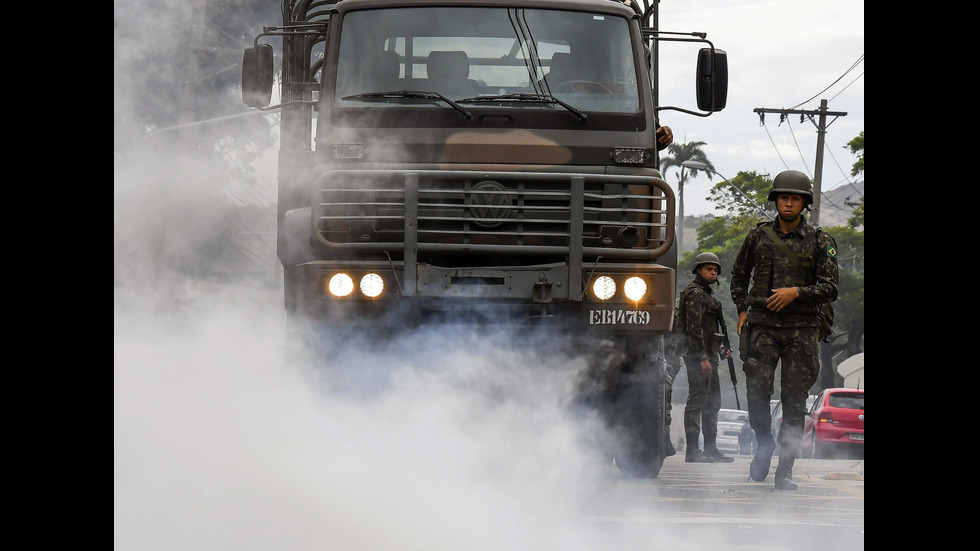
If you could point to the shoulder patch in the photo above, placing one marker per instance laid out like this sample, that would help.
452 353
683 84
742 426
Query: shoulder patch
831 251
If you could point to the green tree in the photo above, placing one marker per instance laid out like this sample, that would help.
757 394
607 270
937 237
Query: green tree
723 235
857 148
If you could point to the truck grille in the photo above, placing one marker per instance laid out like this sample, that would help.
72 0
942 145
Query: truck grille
534 213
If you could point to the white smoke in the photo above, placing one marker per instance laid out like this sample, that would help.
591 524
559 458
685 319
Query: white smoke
438 440
219 445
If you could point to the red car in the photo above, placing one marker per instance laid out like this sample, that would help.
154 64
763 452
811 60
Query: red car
834 425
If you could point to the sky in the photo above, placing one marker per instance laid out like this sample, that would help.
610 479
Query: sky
782 54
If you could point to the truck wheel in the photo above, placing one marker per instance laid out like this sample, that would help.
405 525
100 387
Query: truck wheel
640 410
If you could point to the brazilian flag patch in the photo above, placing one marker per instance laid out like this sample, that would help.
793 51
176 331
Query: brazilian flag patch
831 251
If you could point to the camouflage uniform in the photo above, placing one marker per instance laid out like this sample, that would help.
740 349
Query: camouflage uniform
701 312
789 336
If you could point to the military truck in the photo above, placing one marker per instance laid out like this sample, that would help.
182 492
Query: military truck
487 162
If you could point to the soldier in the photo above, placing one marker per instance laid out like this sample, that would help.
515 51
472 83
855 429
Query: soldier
793 268
699 313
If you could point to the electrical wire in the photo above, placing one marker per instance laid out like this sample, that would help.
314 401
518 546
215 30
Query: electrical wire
776 149
849 69
846 87
797 144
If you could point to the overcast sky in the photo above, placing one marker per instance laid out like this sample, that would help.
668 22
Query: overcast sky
781 54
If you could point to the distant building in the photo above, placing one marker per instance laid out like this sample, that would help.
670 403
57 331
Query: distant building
852 370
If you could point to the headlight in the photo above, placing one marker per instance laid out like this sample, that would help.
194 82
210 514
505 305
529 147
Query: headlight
635 288
372 285
340 285
604 287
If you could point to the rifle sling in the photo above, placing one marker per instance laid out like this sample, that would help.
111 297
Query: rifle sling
781 245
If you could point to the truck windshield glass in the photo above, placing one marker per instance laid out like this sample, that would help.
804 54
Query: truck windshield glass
582 59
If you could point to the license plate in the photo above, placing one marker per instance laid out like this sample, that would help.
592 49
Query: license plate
619 317
857 437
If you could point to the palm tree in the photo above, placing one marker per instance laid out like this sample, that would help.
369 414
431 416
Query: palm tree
678 153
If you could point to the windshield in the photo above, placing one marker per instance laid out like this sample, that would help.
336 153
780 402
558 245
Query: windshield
733 416
583 59
846 400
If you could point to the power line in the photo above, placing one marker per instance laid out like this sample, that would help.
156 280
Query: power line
846 179
849 69
821 125
797 144
762 123
846 87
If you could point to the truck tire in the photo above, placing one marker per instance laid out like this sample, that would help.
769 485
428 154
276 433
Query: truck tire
639 410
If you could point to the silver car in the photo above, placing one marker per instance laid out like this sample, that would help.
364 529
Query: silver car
777 417
747 444
730 422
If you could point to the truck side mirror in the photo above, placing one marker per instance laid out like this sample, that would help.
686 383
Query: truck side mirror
712 91
257 75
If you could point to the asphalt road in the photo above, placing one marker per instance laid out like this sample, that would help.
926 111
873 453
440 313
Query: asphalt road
697 506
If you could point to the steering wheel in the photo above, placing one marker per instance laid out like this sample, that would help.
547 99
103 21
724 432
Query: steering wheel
591 87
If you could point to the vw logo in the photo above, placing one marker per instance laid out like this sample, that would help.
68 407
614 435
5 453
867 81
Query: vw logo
861 417
487 201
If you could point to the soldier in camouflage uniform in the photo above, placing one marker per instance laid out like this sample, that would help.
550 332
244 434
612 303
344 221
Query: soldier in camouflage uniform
779 318
699 313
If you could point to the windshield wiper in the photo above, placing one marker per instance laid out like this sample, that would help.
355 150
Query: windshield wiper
412 94
537 98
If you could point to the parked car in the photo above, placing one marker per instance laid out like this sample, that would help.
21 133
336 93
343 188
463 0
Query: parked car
730 422
747 444
777 417
834 425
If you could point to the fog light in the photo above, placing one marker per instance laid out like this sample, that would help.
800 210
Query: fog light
372 285
340 285
604 287
635 288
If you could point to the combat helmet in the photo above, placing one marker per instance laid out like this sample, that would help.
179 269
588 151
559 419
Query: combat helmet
791 181
705 258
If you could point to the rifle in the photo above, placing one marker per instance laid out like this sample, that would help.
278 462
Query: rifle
728 348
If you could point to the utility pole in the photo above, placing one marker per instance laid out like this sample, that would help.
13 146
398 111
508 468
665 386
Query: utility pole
821 125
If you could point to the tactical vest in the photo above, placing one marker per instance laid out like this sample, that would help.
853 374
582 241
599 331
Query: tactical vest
771 269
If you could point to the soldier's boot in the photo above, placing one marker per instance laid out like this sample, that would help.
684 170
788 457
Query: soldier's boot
711 450
693 453
759 468
668 445
784 474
